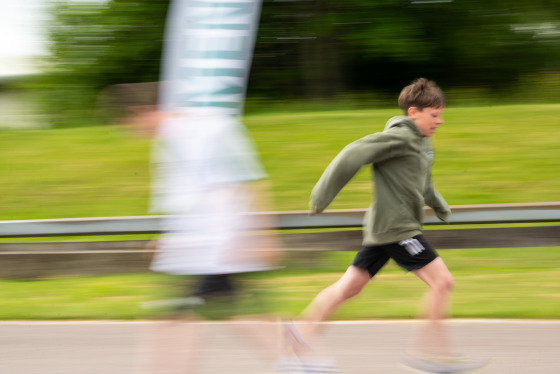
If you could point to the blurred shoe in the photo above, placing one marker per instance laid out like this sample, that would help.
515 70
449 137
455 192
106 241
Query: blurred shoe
288 365
316 365
442 364
291 338
308 365
300 354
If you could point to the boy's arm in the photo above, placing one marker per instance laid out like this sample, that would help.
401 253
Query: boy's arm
435 200
346 164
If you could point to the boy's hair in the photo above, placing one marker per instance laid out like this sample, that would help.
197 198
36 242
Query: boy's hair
422 93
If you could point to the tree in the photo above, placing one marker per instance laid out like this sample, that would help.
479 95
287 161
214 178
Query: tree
96 45
316 48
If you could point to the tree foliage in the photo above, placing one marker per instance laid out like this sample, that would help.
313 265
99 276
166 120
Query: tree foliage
380 44
317 48
95 45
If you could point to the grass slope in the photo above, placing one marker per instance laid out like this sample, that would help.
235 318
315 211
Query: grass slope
483 155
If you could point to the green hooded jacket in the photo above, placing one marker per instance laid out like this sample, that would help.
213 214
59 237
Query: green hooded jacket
401 159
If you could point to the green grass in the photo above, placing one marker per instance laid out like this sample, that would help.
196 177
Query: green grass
483 155
503 154
490 283
67 173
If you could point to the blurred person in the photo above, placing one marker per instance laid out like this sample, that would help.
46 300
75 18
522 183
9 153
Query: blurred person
207 178
401 157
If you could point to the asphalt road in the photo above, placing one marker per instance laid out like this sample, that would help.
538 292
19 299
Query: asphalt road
528 347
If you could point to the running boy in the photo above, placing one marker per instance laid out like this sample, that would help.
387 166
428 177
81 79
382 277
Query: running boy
401 157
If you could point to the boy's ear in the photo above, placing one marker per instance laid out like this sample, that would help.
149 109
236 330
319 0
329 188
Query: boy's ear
412 111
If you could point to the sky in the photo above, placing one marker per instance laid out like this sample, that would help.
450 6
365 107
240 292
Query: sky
20 29
22 34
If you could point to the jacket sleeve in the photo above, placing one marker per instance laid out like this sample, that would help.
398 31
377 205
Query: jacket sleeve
435 200
373 148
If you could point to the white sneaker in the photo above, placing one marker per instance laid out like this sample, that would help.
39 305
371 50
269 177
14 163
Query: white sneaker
316 365
294 345
442 364
288 365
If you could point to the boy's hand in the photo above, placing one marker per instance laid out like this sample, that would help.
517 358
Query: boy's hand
313 209
443 214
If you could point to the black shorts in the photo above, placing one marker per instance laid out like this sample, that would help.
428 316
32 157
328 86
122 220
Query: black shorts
214 297
410 254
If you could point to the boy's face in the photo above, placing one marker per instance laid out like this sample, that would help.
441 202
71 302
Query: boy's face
427 120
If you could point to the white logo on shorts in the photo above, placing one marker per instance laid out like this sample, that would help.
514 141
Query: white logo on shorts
413 246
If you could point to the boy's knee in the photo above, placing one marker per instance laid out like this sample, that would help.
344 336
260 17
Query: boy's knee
350 289
352 282
446 284
353 291
442 285
347 290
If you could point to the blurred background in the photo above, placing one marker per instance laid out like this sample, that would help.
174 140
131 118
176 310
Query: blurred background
352 53
342 62
325 72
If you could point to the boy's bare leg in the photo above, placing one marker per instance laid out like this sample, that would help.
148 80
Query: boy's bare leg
349 285
433 339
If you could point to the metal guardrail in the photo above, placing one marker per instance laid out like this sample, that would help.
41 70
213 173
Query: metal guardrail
348 218
34 260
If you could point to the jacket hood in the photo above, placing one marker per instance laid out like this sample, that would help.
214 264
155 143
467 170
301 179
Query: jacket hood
402 121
